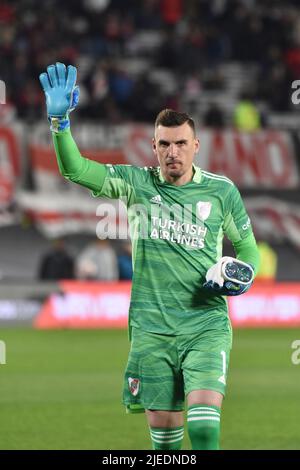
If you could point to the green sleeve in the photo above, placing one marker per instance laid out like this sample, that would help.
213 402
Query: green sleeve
246 250
237 224
111 181
73 166
237 227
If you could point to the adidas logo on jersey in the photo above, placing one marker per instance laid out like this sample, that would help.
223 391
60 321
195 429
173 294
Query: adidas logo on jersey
156 199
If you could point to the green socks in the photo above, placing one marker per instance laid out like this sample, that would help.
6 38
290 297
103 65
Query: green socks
204 426
167 438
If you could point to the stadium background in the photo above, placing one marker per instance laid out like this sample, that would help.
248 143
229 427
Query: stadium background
231 65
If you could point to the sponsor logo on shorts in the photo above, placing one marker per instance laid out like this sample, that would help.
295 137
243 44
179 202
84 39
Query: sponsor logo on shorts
134 386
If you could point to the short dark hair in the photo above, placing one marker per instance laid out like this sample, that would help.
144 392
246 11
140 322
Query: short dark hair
171 118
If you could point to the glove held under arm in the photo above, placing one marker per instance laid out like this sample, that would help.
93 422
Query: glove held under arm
229 276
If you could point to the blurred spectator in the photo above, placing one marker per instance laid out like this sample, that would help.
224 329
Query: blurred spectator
246 115
98 261
121 86
268 262
214 117
125 261
214 80
99 82
169 54
148 93
275 87
148 14
96 5
171 11
57 263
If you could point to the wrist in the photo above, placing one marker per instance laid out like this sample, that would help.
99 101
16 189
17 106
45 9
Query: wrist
59 124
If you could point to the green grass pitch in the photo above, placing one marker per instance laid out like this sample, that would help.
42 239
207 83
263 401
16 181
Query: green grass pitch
62 390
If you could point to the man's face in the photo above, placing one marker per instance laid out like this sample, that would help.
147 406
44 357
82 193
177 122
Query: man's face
175 148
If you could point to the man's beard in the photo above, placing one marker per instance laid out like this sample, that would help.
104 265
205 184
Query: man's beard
174 172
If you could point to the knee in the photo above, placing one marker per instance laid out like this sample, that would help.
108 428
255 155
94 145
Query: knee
164 419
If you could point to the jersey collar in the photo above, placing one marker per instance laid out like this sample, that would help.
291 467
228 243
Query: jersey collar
196 178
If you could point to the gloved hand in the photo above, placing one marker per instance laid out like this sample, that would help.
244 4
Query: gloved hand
229 276
62 95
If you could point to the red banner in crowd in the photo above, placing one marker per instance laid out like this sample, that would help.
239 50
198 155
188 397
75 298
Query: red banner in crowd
105 305
10 164
264 159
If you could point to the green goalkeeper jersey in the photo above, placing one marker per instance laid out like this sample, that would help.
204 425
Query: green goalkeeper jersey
177 234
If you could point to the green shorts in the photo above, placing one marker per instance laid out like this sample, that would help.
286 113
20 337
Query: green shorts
163 369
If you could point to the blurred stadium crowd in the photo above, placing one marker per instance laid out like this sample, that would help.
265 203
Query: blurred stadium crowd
137 57
134 58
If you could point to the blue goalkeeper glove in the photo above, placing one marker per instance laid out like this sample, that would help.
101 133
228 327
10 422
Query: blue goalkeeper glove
62 95
229 276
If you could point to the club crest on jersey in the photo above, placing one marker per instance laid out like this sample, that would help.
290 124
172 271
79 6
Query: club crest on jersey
203 209
134 386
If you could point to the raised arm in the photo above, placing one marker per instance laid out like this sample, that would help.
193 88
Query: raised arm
62 96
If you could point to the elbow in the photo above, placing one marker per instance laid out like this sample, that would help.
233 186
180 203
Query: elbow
68 176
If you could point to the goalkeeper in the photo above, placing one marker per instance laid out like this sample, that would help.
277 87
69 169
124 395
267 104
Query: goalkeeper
178 320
